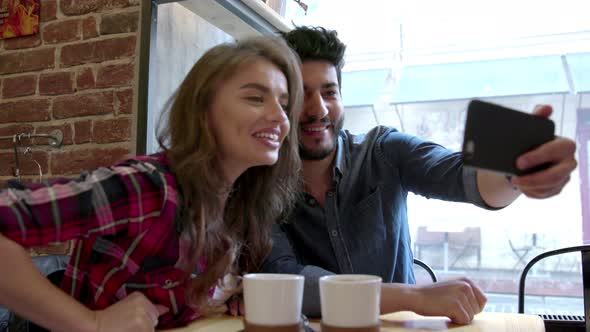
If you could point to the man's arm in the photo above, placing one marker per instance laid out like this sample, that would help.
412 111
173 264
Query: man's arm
282 260
458 299
497 191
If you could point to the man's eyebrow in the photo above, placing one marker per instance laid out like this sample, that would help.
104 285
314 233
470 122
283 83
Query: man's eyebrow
262 88
329 85
324 85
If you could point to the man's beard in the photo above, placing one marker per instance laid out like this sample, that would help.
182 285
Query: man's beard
321 153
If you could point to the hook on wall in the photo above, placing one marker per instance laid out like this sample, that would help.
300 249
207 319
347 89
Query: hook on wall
55 138
28 151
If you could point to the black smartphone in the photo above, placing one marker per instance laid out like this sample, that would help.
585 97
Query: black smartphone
495 136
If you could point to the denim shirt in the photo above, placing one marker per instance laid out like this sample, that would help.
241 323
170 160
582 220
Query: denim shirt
363 227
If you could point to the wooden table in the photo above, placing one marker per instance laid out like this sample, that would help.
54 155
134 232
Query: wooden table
401 321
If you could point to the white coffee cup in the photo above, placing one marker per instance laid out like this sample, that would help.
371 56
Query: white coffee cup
350 300
273 299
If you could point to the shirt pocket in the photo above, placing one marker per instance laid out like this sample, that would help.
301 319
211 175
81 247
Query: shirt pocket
163 286
365 226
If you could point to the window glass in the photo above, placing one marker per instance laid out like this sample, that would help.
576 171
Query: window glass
414 65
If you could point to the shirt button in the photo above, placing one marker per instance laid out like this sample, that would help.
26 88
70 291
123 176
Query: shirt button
311 201
334 233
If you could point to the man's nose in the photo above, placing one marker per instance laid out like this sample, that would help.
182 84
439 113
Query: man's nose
315 106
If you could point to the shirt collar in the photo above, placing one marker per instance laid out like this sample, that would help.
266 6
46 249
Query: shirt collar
339 161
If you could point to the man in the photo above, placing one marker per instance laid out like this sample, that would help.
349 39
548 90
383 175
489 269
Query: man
352 217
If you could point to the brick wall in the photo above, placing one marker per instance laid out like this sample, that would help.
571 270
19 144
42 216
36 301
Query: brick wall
77 75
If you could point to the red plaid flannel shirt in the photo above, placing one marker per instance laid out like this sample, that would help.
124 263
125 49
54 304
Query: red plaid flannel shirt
123 221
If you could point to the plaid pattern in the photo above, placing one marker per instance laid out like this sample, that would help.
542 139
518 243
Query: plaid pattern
123 221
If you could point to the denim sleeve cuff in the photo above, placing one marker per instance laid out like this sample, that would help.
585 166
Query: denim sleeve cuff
471 190
311 291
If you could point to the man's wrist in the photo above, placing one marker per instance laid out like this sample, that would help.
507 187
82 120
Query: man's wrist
398 297
509 180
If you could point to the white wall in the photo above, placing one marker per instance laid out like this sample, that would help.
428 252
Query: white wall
182 37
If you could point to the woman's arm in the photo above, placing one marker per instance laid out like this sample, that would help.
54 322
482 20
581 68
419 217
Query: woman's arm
28 293
106 201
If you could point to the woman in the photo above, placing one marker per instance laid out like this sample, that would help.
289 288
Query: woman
154 234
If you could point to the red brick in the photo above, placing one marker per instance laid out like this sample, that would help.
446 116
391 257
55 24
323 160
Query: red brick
124 103
115 75
13 130
24 61
22 42
24 111
98 51
80 7
119 23
83 131
65 128
79 160
56 83
7 166
112 130
65 248
83 105
19 86
85 79
110 4
62 31
48 10
28 165
89 29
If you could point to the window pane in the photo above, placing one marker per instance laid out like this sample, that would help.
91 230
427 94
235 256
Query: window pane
414 65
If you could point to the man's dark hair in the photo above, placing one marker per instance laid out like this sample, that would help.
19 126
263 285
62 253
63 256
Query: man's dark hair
317 43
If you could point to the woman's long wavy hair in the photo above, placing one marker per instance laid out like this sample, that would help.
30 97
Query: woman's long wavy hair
234 238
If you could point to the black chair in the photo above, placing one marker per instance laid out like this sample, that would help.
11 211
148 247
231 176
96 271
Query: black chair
428 269
559 323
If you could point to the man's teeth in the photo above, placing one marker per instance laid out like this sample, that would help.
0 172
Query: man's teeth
315 129
270 136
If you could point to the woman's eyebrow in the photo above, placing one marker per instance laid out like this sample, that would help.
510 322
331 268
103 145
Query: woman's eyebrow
261 88
256 86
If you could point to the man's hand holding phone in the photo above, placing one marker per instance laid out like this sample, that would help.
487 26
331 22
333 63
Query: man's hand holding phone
559 153
520 145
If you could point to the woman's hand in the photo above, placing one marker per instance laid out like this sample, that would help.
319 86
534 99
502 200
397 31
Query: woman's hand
236 305
135 313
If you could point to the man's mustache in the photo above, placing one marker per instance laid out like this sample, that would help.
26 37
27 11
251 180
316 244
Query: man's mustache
313 120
